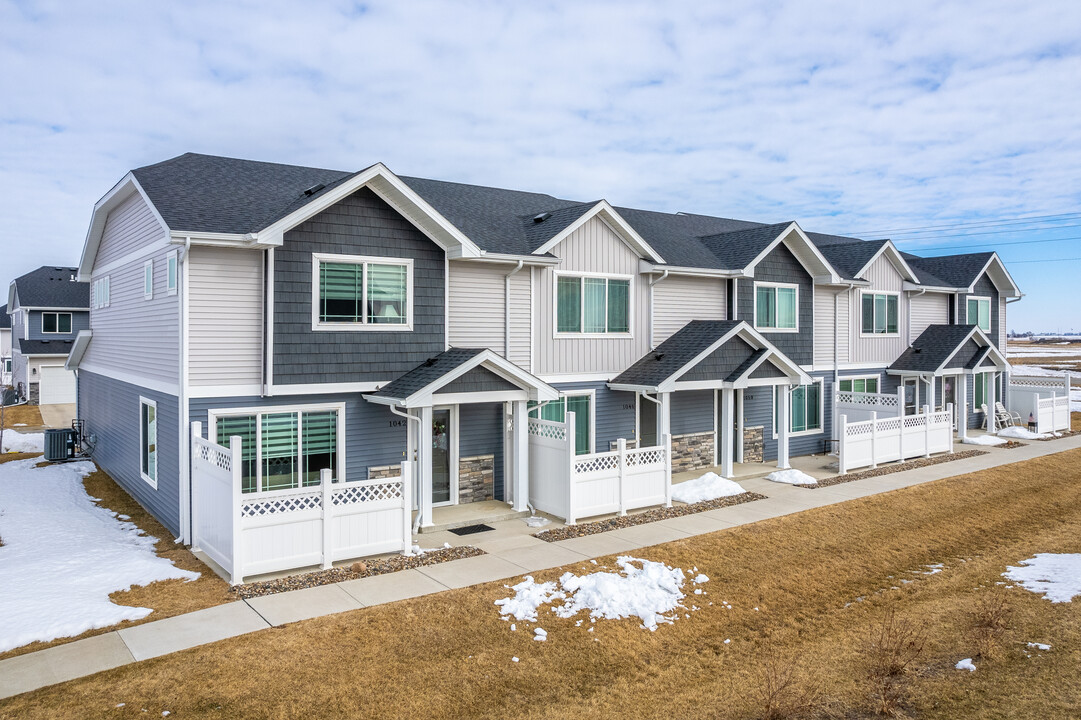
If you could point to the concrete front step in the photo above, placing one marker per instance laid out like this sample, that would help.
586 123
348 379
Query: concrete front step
457 516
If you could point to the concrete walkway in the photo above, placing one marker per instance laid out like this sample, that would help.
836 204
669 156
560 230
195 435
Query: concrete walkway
511 553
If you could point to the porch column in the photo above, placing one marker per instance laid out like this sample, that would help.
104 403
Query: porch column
664 422
727 402
962 408
520 456
784 422
739 426
990 378
931 393
424 465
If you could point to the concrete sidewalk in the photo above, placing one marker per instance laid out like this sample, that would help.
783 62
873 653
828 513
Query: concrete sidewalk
510 555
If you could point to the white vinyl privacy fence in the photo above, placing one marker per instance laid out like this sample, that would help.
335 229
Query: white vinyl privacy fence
573 486
858 406
1043 401
867 443
250 534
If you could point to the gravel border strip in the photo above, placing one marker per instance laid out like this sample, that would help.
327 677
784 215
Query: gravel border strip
894 468
599 526
380 566
1012 444
1062 434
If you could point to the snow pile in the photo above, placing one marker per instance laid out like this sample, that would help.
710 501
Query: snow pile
982 440
1040 646
63 556
19 443
1020 433
966 664
644 589
1056 575
1075 400
708 487
792 477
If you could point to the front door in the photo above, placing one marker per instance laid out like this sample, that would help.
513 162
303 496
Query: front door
912 396
442 442
949 391
647 423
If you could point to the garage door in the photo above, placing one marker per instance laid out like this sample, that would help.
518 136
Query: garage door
57 385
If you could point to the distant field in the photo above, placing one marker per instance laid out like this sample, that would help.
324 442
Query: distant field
1055 358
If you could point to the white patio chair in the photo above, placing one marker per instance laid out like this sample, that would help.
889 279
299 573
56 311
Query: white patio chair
1005 417
984 410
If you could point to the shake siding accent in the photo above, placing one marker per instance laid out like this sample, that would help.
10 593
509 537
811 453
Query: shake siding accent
614 412
692 411
80 320
361 224
927 309
225 311
111 411
480 432
984 288
823 340
592 248
883 277
129 226
678 300
782 266
134 335
477 380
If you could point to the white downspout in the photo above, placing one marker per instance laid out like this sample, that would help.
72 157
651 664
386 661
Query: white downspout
506 308
412 462
654 281
182 266
837 351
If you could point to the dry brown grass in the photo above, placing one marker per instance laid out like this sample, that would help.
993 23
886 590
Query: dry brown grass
1075 421
28 415
166 598
449 656
12 457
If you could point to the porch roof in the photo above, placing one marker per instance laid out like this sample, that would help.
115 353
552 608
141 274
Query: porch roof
462 375
710 354
949 348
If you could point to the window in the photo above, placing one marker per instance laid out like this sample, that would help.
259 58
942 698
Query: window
101 292
979 313
53 323
776 307
556 411
879 313
861 384
7 365
805 407
359 293
148 441
170 273
282 449
592 305
979 394
148 280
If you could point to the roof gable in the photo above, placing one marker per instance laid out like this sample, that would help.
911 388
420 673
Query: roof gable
50 287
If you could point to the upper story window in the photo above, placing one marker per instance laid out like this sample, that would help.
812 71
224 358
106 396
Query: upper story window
55 322
148 280
100 291
879 313
979 313
593 304
776 307
170 273
350 292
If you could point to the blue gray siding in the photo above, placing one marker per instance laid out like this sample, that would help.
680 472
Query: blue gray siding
984 288
758 410
692 411
614 413
480 429
782 266
79 321
111 411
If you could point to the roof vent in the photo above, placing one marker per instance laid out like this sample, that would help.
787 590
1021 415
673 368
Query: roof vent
658 356
314 189
915 351
542 217
429 362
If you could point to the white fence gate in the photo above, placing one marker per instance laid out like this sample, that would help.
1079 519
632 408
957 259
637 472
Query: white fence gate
878 440
576 486
248 534
1044 401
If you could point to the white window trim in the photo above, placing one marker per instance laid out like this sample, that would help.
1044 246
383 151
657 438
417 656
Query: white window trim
983 374
556 274
885 334
100 290
151 481
980 298
821 409
172 266
58 331
148 266
212 432
320 326
754 307
842 378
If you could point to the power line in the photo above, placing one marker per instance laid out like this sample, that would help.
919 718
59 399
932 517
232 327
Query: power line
1016 262
975 223
985 232
1001 244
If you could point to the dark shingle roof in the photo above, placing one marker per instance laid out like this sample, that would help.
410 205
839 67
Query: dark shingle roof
847 258
932 348
5 319
45 347
736 250
676 237
427 372
954 271
675 352
53 287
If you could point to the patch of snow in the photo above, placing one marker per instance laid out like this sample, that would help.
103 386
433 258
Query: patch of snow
1020 433
966 664
24 425
1055 575
20 443
528 596
791 477
535 521
1040 646
1075 400
514 659
708 487
700 578
540 634
62 556
727 640
989 440
1037 371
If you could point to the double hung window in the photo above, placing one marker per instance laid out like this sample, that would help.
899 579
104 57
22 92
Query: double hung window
592 305
355 293
776 306
879 313
979 313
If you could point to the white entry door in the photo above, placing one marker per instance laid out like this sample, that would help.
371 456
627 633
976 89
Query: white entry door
55 385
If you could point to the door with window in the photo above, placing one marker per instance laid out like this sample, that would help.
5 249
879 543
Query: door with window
443 439
949 391
912 396
647 422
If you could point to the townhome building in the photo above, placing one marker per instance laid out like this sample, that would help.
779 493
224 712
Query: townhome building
47 309
347 321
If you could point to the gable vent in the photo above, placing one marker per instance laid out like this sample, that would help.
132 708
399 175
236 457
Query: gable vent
542 217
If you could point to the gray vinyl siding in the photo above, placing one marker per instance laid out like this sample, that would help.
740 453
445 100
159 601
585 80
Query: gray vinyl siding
758 410
984 288
80 320
478 380
927 309
614 413
130 226
593 248
111 411
678 300
692 411
19 367
361 224
480 432
477 311
781 266
824 326
964 355
1001 335
883 277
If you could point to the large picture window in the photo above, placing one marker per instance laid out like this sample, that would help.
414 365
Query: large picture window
282 449
556 411
979 313
879 313
355 293
776 306
148 441
55 322
592 305
805 407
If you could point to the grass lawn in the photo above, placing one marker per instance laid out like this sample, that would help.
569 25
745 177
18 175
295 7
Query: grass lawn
23 415
449 655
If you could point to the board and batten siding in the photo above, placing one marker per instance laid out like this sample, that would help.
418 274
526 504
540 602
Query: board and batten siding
477 312
80 320
884 349
824 325
225 316
926 310
592 248
678 300
130 226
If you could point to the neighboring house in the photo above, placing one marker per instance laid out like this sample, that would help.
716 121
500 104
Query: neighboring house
5 346
352 320
48 307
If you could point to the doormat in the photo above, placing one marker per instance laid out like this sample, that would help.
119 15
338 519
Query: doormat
471 529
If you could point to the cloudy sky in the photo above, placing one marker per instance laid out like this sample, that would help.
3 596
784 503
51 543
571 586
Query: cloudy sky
858 118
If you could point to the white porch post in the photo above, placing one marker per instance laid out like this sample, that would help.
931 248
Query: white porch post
727 402
989 380
520 457
424 466
784 422
962 408
931 393
739 426
665 419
